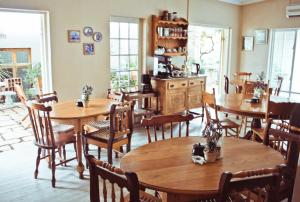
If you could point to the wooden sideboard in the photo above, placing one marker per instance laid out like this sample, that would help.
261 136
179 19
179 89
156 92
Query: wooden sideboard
179 94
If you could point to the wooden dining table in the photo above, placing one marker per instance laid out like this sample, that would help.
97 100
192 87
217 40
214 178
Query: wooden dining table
167 166
68 113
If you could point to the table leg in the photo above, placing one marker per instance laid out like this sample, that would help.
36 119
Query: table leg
80 166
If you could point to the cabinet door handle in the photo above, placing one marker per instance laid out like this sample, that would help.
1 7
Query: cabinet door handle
172 86
192 83
183 84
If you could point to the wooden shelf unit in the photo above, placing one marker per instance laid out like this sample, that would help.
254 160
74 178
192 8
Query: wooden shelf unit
169 42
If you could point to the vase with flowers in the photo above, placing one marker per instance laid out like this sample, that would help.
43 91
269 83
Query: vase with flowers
85 95
259 86
214 142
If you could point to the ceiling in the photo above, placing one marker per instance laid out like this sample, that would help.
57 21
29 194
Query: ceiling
241 2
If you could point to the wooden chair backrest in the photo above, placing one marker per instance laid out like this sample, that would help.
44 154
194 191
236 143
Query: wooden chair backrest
20 92
121 117
48 98
259 180
41 125
161 120
119 97
243 75
113 176
226 85
249 86
209 102
278 86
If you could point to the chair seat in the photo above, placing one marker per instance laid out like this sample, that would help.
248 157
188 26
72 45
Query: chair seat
102 127
227 123
144 197
142 112
259 132
64 134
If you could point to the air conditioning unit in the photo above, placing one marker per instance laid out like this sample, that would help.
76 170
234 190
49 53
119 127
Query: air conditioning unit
293 10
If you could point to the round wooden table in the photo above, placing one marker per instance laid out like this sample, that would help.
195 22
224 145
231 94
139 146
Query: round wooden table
167 166
68 113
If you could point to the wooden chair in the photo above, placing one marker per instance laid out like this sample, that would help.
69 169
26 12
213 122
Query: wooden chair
47 138
279 111
253 185
111 134
115 176
21 95
39 85
226 85
49 99
209 101
161 120
278 85
245 76
288 144
119 97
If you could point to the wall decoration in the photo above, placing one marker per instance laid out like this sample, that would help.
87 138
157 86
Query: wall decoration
261 36
88 49
248 43
88 31
97 36
73 36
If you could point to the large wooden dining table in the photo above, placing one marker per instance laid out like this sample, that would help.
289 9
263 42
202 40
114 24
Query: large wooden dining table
167 166
68 113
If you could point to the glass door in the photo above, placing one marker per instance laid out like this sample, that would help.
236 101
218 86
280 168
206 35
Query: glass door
284 61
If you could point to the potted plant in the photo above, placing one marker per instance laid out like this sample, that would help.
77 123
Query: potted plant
212 133
85 95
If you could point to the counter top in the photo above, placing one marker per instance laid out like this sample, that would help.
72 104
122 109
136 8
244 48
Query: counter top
180 78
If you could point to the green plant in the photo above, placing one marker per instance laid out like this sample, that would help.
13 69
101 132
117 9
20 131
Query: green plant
32 73
212 133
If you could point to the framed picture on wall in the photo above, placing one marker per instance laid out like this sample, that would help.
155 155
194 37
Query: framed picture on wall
73 36
261 36
248 43
88 49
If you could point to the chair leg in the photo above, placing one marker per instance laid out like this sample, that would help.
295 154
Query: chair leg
99 153
75 148
38 158
109 152
128 146
86 148
53 167
65 154
237 133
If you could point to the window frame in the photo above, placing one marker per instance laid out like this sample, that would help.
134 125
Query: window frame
138 55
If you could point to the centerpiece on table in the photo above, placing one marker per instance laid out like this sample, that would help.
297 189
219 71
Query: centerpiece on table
259 86
85 95
212 149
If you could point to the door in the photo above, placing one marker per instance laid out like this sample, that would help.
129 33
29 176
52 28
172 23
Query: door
285 61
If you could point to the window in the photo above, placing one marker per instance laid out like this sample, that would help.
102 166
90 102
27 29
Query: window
14 61
124 53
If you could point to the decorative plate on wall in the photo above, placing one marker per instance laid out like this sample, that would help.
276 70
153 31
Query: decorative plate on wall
97 36
88 31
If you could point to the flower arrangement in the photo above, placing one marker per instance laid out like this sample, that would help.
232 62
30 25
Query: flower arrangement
86 92
212 133
260 85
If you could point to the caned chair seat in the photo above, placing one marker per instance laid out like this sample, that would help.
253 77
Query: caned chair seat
227 123
102 127
144 197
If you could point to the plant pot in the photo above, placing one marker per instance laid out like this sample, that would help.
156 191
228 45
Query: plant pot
85 103
210 156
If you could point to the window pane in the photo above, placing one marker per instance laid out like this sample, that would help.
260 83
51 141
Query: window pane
124 63
123 30
5 57
114 63
133 47
22 57
124 47
133 63
114 47
134 31
124 79
133 78
115 80
114 30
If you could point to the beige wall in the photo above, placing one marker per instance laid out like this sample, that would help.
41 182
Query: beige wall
266 15
71 70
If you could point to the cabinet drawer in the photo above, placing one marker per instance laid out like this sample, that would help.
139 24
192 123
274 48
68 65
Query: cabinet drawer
196 82
177 84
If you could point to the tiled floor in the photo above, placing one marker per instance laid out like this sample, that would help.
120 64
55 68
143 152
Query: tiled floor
11 131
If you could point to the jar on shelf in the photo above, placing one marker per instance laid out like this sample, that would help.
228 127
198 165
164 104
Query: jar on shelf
174 16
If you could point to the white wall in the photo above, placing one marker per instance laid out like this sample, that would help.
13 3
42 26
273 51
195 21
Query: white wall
71 69
266 15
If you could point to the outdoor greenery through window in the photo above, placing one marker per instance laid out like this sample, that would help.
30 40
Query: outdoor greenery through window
124 53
